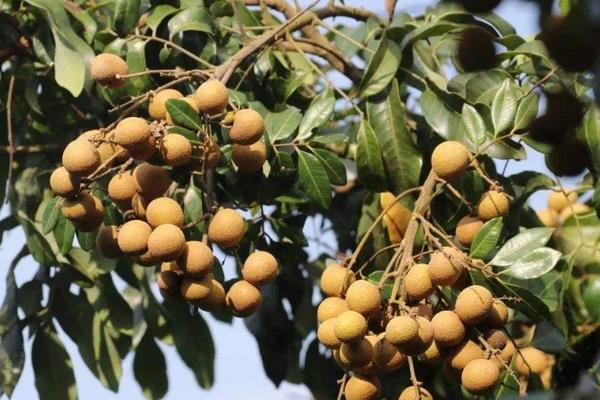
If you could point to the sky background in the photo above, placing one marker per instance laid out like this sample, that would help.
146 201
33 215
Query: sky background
238 368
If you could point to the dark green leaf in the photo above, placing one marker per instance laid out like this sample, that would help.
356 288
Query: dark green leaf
191 19
336 171
183 114
442 119
521 245
522 300
486 239
158 14
282 125
91 267
526 112
314 179
504 107
590 129
549 338
381 69
150 368
369 161
534 264
136 62
126 15
64 232
51 213
317 114
86 240
192 206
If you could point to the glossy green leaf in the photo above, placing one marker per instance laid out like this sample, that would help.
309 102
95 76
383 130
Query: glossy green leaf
590 130
534 264
69 68
51 213
183 114
92 268
526 112
504 107
474 126
336 171
521 299
158 14
282 125
521 245
549 338
191 19
86 240
193 211
64 233
486 239
89 24
314 179
442 119
369 160
150 368
125 18
136 62
106 354
317 114
381 69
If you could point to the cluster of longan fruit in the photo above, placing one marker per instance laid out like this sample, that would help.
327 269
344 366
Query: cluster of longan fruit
561 206
141 156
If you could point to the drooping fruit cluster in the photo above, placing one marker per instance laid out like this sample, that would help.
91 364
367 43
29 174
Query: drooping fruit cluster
562 205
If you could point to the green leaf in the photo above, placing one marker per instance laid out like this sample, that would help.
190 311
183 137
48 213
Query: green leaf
507 386
520 245
526 112
64 232
590 130
192 206
369 161
51 213
136 62
282 125
86 240
375 277
381 69
549 338
52 367
474 126
521 299
329 139
89 24
150 368
125 18
183 114
158 14
106 354
336 170
69 68
504 107
486 239
534 264
91 267
317 114
443 120
314 179
191 19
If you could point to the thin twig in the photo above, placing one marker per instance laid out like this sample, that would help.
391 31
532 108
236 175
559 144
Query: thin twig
9 129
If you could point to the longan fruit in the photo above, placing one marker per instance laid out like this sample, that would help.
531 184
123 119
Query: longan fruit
166 242
146 259
496 339
226 228
423 339
498 315
558 200
459 357
356 354
196 290
493 204
215 299
80 158
574 209
411 394
362 387
104 148
530 359
260 268
191 101
363 297
432 355
336 279
548 217
121 189
446 266
507 353
248 127
176 150
398 214
330 308
450 159
171 266
212 97
78 208
393 232
93 220
370 368
107 243
417 284
386 356
401 330
105 67
157 107
243 298
139 205
152 181
467 228
164 210
476 50
473 304
350 326
133 133
448 329
480 376
168 281
196 260
63 183
145 151
326 334
249 158
133 237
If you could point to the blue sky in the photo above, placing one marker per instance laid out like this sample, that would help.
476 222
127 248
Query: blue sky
238 369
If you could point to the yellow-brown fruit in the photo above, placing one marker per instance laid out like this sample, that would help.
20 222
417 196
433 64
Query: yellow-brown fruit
422 309
243 298
548 217
493 204
212 97
393 232
196 290
249 158
401 330
166 242
107 243
467 229
104 148
350 326
133 237
480 376
576 209
559 200
398 214
80 158
459 357
410 393
152 181
248 127
356 354
370 368
157 107
168 281
171 266
215 299
448 330
145 151
197 259
326 334
132 133
507 353
423 339
432 354
226 228
446 266
386 356
93 220
496 339
330 308
139 205
417 283
164 210
473 304
363 297
191 101
498 315
146 259
105 67
211 156
176 150
362 387
336 279
530 359
260 268
121 189
450 159
79 208
63 183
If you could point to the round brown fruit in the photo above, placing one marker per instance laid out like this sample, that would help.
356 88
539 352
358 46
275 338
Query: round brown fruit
197 259
227 228
331 307
459 357
530 359
196 290
336 279
146 259
211 156
168 281
105 67
176 150
448 330
492 205
145 151
260 268
410 393
432 354
191 101
496 339
248 127
498 315
249 158
157 107
80 158
121 189
446 266
559 200
480 376
350 326
476 50
63 183
133 237
362 387
363 297
473 304
467 228
386 356
166 242
423 339
152 181
216 297
139 205
79 208
450 159
479 6
417 284
132 133
212 97
356 354
243 298
107 242
402 330
326 334
164 210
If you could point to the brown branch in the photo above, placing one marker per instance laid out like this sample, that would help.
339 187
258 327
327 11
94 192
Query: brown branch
9 128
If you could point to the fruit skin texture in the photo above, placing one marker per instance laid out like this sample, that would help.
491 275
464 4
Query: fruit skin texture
249 158
166 242
473 304
104 68
133 237
243 298
530 359
398 214
559 200
493 204
386 356
226 228
480 376
63 183
164 210
361 387
350 326
193 290
107 242
336 279
417 283
145 151
176 150
215 299
467 229
105 149
79 208
498 315
121 189
132 133
363 297
450 159
151 180
191 101
80 158
460 356
448 330
196 260
326 334
401 330
356 354
423 339
212 97
139 205
445 266
260 268
548 217
496 339
410 394
157 108
330 308
432 354
93 220
248 127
